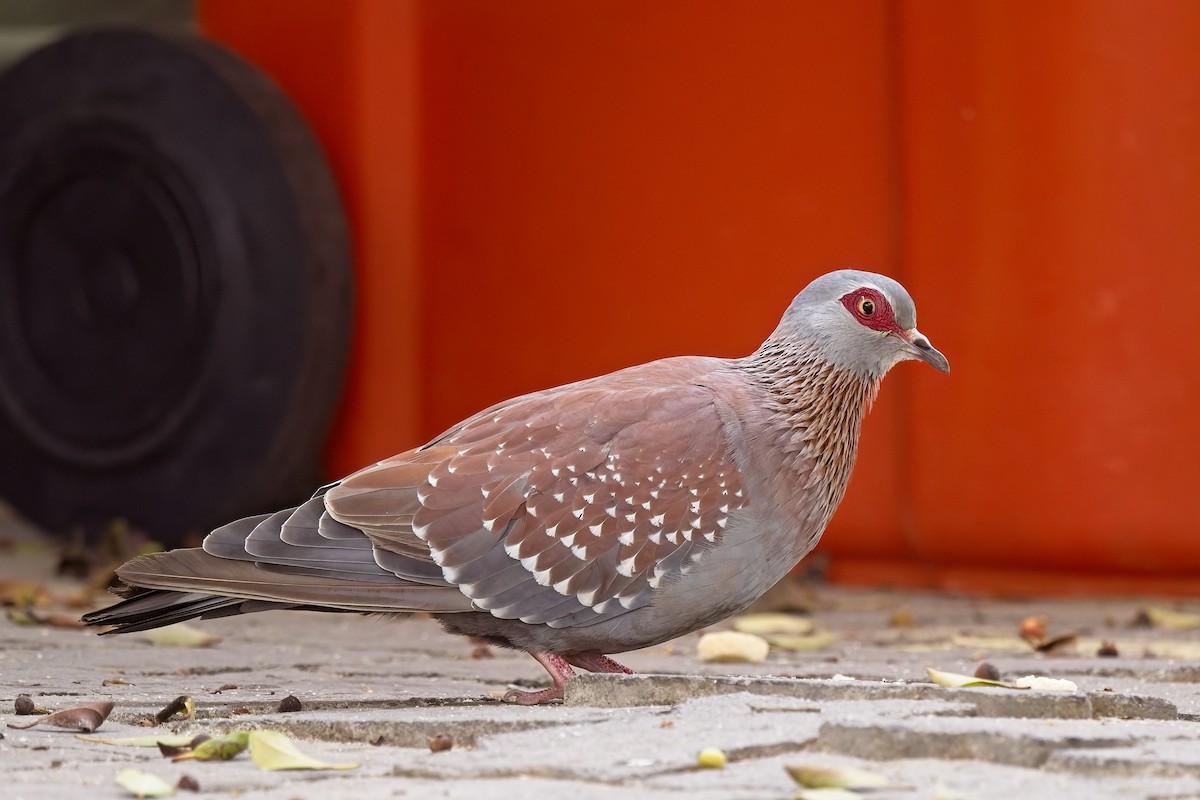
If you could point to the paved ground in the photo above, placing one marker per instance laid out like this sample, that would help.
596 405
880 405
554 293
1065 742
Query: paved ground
375 692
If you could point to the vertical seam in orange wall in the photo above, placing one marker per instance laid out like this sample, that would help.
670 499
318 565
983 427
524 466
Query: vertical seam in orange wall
906 458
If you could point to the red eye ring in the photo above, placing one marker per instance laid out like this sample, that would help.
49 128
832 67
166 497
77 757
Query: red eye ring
865 306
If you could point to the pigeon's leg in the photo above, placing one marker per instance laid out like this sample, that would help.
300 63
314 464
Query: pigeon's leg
597 662
560 672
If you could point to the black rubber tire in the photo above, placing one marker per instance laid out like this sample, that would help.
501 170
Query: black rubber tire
175 287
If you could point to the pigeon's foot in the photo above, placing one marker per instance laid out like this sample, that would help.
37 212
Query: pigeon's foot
559 667
560 672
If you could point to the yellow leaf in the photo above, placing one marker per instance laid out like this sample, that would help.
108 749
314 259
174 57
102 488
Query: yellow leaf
817 640
732 647
143 784
835 777
955 680
221 748
711 758
1172 620
271 750
179 635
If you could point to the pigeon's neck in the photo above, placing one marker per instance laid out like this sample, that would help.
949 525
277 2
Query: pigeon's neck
814 410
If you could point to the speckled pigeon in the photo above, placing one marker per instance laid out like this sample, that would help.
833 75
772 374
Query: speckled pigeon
598 517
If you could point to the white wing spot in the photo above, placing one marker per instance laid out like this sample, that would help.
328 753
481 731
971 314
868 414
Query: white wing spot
626 567
657 519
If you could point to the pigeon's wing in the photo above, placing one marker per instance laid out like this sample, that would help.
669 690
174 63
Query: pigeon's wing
564 508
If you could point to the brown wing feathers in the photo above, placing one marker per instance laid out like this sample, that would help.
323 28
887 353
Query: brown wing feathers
561 509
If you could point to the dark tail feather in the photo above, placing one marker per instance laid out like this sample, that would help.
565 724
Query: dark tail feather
154 608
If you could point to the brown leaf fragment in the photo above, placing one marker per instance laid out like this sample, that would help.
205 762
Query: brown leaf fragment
182 706
242 710
225 687
114 682
85 718
440 742
172 750
187 783
289 704
987 671
1056 643
1107 649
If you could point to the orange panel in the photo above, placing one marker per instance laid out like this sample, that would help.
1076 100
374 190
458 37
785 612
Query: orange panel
1051 197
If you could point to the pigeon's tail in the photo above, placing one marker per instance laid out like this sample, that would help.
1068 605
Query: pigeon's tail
164 588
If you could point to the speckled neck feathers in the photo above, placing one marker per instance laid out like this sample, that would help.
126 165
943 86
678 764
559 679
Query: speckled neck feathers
815 410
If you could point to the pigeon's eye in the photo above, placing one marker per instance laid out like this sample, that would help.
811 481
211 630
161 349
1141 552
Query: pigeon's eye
865 306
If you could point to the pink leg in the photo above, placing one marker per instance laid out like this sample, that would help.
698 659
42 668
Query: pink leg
597 662
560 672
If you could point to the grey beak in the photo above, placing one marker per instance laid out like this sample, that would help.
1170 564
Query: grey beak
921 349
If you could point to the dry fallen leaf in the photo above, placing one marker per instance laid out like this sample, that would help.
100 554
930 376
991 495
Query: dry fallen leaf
221 748
85 718
171 750
1172 620
182 706
179 635
835 777
772 622
955 680
1056 643
271 750
732 647
818 640
143 784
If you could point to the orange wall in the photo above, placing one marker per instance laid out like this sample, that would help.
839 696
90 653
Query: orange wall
542 191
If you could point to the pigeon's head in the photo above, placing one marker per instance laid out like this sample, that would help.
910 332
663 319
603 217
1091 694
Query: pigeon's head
860 321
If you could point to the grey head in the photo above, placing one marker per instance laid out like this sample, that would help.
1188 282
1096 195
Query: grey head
860 321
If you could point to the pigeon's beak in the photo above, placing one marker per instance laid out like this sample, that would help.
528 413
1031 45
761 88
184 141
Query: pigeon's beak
921 349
